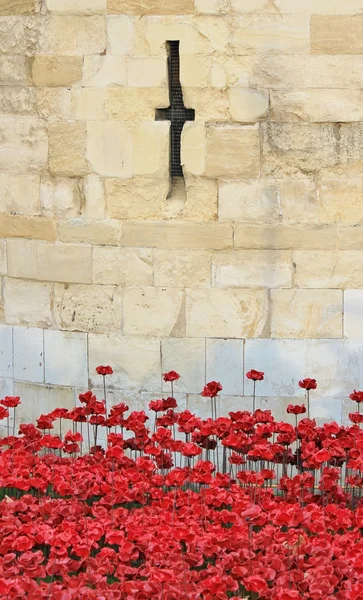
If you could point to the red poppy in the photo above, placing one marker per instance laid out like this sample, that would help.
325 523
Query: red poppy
211 389
3 413
104 370
308 384
10 401
296 409
356 396
171 376
255 375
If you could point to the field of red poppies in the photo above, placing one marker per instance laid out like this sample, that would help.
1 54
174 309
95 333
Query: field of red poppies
177 507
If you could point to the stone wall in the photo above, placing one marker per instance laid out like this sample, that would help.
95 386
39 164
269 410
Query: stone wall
255 261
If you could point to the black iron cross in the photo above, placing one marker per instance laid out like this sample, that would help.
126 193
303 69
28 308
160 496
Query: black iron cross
177 114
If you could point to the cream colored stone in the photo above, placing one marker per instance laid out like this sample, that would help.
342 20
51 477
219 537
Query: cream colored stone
252 268
350 238
211 7
17 102
284 237
19 35
226 313
19 7
131 104
337 34
77 7
198 36
23 145
209 104
146 72
27 227
54 104
139 198
341 201
3 258
109 148
19 194
68 263
319 269
195 71
320 6
306 313
60 196
298 149
154 311
88 104
239 147
248 106
151 7
350 148
201 202
177 235
56 70
182 268
123 266
22 258
218 75
215 31
13 70
271 34
250 5
96 308
317 105
91 231
151 144
67 144
94 197
120 32
73 35
102 71
193 148
42 399
353 314
27 303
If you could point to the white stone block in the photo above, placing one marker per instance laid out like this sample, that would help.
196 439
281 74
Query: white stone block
6 387
109 148
41 399
65 358
282 361
225 364
187 357
326 410
201 407
120 31
28 354
146 72
336 365
6 351
353 314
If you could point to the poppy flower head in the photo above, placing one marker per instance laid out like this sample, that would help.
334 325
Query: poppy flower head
10 401
308 384
255 375
171 376
356 396
104 370
296 410
211 389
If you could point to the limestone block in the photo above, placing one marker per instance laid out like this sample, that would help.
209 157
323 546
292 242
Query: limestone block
27 227
23 145
320 7
19 194
226 313
271 34
54 104
211 7
215 30
94 197
182 268
154 311
224 360
197 36
69 263
6 351
73 35
3 261
72 369
336 34
195 71
298 149
317 105
120 33
27 303
201 202
22 258
56 70
77 7
250 6
177 235
252 268
135 361
90 231
320 269
209 104
298 201
109 148
137 198
102 71
146 72
67 144
306 313
41 399
123 266
353 314
248 105
350 136
151 143
19 7
17 102
19 35
326 358
350 238
13 70
341 201
151 7
280 237
60 196
239 147
193 148
28 354
218 74
187 357
88 104
96 308
132 104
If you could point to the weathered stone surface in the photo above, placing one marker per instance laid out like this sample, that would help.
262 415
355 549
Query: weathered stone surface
350 238
67 263
322 7
250 6
154 311
182 268
329 357
146 72
17 102
239 147
77 7
193 148
132 104
19 7
320 269
3 262
27 303
211 7
90 231
353 314
54 104
178 235
350 136
317 105
123 266
191 363
195 71
72 369
42 399
56 70
27 227
252 268
226 313
151 7
22 258
271 34
280 237
67 145
248 106
19 36
73 35
201 203
96 308
23 145
341 201
120 33
103 71
88 104
336 34
306 313
28 354
93 199
60 196
19 194
13 70
151 143
6 352
224 360
210 104
109 148
137 198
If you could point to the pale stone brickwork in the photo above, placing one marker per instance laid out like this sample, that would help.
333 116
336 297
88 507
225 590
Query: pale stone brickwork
254 261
